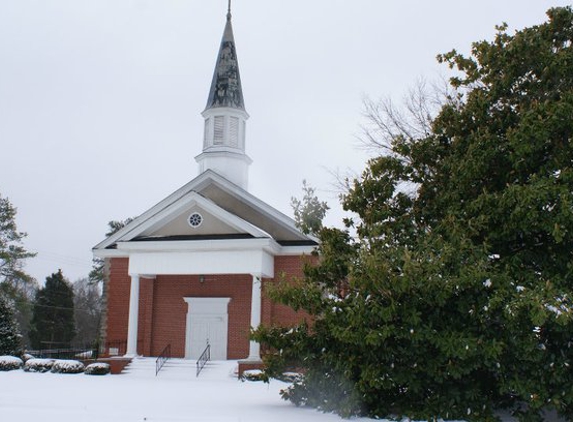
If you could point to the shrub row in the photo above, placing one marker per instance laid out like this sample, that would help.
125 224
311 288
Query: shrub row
57 366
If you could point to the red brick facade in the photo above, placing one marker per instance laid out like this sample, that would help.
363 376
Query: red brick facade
162 309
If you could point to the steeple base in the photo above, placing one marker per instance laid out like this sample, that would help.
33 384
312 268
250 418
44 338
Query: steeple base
232 166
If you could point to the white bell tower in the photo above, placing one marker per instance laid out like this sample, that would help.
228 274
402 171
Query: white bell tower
225 117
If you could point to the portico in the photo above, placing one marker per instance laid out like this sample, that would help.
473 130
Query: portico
253 256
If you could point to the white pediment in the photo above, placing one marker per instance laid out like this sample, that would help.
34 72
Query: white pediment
225 208
195 221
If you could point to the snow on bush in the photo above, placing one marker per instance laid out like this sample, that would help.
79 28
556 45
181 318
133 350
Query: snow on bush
38 365
88 354
252 375
97 368
290 376
8 363
259 375
65 366
26 357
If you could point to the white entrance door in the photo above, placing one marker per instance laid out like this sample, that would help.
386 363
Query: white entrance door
207 321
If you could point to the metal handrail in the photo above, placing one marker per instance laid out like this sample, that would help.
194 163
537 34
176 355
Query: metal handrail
162 358
205 356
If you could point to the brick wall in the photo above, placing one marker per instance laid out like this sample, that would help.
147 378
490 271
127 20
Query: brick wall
273 314
117 300
162 310
170 310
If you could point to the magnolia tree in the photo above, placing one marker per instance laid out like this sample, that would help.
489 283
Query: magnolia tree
454 299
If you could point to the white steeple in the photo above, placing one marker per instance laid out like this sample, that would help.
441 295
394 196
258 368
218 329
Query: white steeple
225 117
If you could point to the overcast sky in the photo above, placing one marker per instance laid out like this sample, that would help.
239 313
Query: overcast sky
100 100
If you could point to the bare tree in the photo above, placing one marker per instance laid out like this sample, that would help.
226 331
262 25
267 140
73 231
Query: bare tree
87 311
412 119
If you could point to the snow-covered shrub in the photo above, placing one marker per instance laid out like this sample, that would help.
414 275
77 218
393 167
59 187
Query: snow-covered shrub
26 357
290 376
98 368
65 366
8 363
38 365
253 375
88 354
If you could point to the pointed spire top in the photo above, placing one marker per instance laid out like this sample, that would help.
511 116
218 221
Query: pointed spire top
226 88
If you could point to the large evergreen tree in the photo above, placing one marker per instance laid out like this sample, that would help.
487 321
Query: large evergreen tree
457 295
12 252
9 332
53 324
15 284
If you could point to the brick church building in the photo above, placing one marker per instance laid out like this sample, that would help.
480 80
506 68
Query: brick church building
192 269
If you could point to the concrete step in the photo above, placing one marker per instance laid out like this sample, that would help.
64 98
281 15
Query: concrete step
180 369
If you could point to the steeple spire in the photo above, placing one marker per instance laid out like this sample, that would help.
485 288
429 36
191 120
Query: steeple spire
225 116
226 90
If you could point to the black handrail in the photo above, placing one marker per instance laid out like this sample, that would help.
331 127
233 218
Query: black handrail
162 358
205 356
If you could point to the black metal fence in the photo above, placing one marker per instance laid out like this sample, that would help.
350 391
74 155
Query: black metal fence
81 353
91 351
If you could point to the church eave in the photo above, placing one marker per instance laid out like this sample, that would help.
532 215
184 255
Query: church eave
266 244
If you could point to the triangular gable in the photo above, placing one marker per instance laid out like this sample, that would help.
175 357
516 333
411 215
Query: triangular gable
231 204
150 225
240 202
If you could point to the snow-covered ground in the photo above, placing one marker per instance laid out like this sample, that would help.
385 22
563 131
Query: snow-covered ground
138 395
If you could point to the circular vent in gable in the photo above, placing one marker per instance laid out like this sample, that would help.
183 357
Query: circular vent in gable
195 220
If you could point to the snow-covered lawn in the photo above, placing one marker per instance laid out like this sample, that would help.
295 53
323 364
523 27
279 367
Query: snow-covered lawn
138 395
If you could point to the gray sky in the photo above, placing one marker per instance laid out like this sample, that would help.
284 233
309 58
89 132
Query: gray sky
100 100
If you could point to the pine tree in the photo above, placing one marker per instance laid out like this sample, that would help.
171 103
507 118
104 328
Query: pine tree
9 332
97 273
53 324
12 253
15 285
309 211
458 288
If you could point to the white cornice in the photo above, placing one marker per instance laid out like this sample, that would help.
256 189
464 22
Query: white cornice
124 249
267 244
110 253
296 250
226 152
230 111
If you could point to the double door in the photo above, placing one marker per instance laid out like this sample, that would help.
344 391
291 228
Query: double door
207 323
